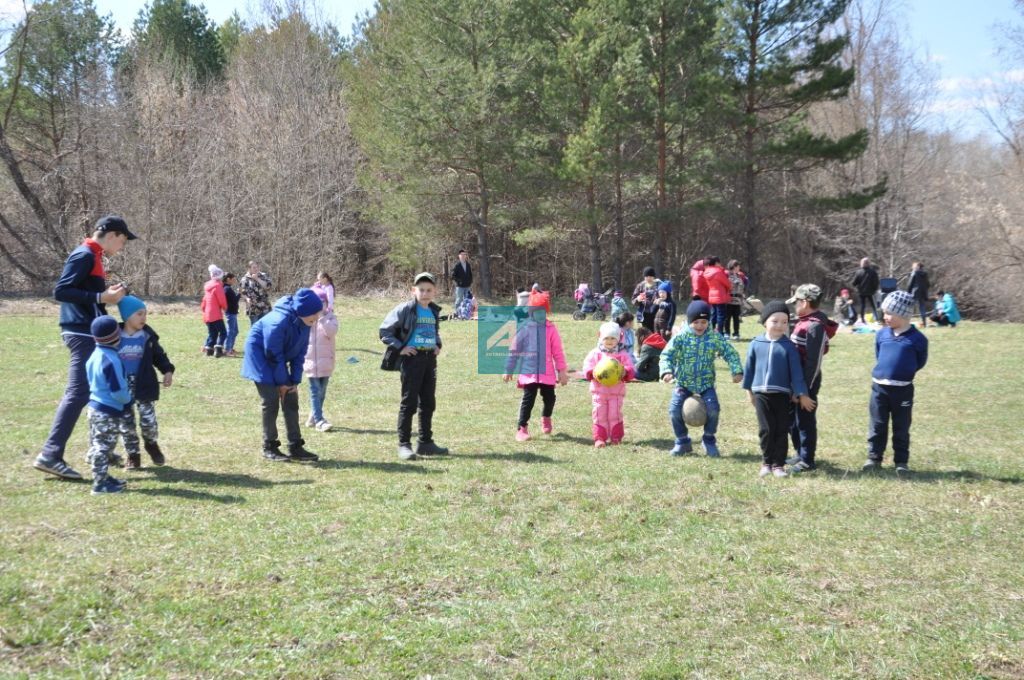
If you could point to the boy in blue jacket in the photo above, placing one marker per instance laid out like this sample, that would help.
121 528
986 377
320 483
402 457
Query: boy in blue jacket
901 351
109 402
773 377
274 352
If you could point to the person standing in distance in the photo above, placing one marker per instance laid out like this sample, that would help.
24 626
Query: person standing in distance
255 288
83 295
462 274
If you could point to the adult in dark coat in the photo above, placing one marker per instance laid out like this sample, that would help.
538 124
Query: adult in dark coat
83 295
462 274
645 297
865 282
918 287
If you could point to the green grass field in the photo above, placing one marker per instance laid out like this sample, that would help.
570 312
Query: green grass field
544 559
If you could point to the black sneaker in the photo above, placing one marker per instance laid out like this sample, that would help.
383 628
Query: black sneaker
155 454
405 452
301 455
134 462
430 449
801 466
275 455
108 485
57 468
871 465
902 468
115 460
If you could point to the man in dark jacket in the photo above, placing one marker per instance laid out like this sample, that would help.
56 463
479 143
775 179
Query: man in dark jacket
917 286
811 334
83 295
462 274
412 330
865 282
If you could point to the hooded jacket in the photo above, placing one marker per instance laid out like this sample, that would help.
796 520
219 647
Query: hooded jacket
276 346
773 366
697 281
865 281
214 302
319 361
811 335
108 385
525 345
719 285
650 354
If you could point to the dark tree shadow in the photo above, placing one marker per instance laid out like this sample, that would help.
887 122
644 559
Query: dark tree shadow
925 476
356 430
517 457
188 494
175 475
410 467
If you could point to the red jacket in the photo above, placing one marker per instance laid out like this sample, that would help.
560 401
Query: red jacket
697 282
214 303
719 285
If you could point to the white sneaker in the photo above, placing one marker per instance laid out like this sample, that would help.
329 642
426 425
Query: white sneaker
323 426
310 422
765 471
780 472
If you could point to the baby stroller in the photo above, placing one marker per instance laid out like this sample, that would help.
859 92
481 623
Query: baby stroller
464 311
589 302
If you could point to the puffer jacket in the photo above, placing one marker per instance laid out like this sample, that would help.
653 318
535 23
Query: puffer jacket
214 301
525 346
624 358
719 285
697 281
276 347
320 353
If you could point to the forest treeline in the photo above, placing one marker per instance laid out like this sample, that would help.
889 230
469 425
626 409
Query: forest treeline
558 141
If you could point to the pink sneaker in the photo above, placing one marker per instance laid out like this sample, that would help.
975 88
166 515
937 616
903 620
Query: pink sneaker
522 434
599 444
545 425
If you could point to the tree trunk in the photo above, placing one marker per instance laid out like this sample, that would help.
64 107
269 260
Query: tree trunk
620 222
483 251
594 234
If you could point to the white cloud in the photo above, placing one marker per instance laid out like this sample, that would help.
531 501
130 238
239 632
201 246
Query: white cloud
11 10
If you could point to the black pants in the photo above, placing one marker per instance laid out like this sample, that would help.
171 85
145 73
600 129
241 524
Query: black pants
803 429
216 334
732 318
773 426
419 382
897 403
864 300
272 403
547 395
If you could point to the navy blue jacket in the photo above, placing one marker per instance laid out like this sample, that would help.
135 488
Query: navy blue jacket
901 356
232 297
147 385
773 366
78 290
276 346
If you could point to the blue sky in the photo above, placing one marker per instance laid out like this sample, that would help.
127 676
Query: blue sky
957 36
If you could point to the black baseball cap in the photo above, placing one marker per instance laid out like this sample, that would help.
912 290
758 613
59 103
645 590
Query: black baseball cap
115 224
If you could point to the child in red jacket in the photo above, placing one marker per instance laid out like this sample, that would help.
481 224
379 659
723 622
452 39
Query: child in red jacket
213 306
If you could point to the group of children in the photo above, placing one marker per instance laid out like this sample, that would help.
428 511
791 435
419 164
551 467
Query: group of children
782 374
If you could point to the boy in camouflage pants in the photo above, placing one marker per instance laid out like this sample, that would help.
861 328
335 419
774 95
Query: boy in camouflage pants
109 401
141 354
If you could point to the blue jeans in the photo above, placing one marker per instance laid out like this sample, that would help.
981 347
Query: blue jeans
229 344
719 314
803 430
460 295
675 413
317 392
76 396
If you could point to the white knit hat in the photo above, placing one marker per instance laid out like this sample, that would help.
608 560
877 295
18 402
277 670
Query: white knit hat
899 303
610 330
215 271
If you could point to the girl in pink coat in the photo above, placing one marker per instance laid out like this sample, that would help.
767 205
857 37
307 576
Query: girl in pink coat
319 363
537 345
213 306
607 401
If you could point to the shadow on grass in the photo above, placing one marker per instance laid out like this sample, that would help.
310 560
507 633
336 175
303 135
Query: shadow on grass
359 349
189 494
174 475
356 430
660 444
517 457
935 476
563 437
372 465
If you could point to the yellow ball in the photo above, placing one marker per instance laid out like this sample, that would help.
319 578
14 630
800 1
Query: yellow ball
609 372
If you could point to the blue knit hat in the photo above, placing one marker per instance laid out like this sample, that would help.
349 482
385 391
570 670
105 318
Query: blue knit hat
128 305
306 302
666 286
105 330
698 309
